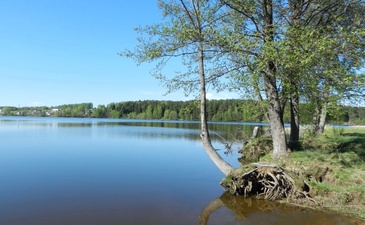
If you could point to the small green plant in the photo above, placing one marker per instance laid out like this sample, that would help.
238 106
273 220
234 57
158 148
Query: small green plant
307 131
338 131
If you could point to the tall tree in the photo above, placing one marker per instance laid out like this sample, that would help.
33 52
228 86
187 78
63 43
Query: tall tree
253 45
337 31
186 35
281 50
292 48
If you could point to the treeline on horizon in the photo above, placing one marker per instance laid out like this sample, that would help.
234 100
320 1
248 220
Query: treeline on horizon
228 110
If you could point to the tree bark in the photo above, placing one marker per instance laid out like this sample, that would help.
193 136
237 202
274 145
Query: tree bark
274 109
296 8
277 127
195 19
294 122
255 132
225 167
322 120
321 110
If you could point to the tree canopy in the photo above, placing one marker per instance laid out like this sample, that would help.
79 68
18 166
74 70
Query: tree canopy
273 51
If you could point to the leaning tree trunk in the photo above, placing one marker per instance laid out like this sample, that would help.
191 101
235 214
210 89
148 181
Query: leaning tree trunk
225 167
214 156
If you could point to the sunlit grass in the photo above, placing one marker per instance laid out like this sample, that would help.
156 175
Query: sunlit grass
333 165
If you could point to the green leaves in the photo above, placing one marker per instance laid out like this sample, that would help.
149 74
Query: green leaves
187 28
316 47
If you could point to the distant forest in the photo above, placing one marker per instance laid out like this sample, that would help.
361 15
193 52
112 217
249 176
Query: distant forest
230 110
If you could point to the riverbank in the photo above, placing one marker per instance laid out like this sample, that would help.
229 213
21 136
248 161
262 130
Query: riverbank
330 168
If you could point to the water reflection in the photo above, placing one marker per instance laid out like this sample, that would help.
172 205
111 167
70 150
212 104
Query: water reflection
225 130
121 127
252 211
101 171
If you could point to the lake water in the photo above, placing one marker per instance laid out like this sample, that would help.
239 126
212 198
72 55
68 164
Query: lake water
103 171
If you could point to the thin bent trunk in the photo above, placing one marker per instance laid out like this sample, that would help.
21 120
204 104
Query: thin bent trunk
225 167
212 153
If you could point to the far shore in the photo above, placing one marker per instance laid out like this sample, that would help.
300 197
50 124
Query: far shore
357 126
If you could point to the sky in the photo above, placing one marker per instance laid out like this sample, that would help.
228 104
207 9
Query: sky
66 52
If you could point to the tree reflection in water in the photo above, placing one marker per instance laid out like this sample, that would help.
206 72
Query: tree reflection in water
252 211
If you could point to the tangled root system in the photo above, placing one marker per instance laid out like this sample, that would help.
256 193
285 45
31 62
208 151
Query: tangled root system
267 181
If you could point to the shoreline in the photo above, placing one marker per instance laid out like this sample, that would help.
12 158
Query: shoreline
357 126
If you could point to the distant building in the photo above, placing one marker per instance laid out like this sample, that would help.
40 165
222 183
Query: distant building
52 112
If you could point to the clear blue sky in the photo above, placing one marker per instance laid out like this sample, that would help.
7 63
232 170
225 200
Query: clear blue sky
55 52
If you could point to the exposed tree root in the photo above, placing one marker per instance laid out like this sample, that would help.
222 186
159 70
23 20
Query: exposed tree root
266 181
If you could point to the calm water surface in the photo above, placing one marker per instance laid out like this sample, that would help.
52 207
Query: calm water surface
104 172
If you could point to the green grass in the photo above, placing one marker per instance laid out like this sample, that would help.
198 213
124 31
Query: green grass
333 165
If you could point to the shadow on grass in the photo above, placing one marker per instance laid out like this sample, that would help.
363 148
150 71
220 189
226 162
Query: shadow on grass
351 142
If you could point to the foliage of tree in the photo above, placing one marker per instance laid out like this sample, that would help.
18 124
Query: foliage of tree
187 35
69 110
337 52
292 51
74 110
7 111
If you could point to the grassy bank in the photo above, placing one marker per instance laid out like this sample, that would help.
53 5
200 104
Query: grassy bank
332 167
